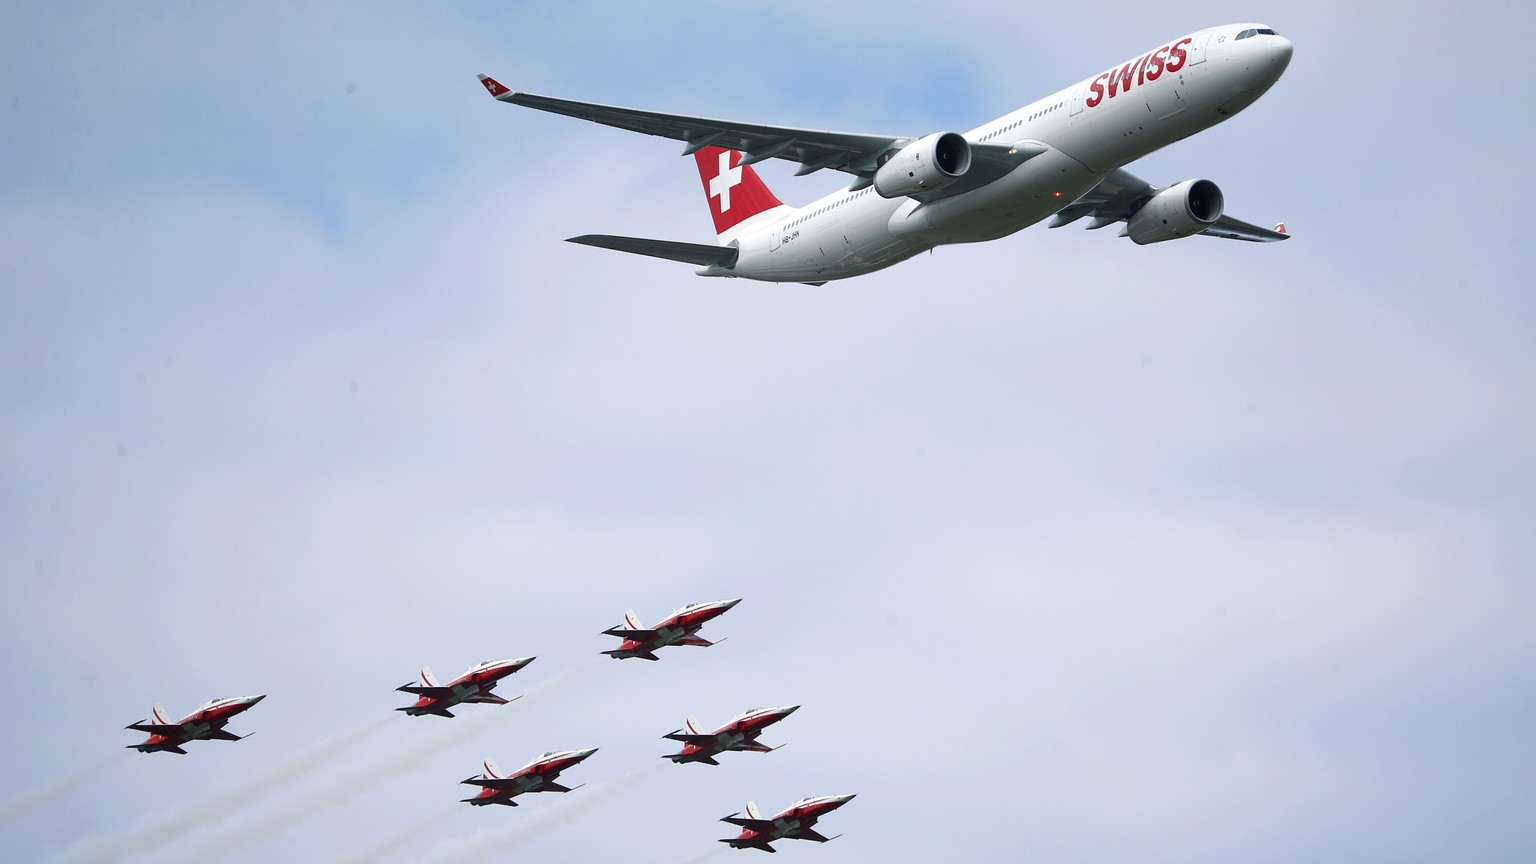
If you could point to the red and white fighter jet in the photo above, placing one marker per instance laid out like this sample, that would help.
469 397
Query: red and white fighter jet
794 823
473 686
739 734
537 776
207 722
679 629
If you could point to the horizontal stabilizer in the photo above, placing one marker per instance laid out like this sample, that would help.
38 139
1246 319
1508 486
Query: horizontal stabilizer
620 654
482 801
688 253
750 824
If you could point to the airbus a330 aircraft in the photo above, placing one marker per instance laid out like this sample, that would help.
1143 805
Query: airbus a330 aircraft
1061 156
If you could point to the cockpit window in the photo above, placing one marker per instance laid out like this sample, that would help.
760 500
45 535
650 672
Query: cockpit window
1246 33
1256 31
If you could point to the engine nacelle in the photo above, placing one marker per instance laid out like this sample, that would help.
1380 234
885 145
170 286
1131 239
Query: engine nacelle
929 163
1178 211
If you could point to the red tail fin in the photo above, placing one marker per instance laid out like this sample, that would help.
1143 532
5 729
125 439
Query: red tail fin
734 191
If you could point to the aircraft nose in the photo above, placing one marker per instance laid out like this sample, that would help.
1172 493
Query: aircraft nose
586 753
254 699
1279 52
790 709
730 604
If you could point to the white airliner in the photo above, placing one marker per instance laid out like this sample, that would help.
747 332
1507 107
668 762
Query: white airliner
1061 156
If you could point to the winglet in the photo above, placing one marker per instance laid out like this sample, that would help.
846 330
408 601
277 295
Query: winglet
492 85
1280 228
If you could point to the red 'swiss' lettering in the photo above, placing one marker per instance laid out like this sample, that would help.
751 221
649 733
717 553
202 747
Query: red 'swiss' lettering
1123 78
1177 55
1096 90
1143 70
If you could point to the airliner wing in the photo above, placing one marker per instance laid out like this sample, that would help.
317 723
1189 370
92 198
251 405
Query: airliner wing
814 149
1113 199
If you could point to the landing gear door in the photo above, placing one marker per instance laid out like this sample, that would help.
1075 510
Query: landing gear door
1197 48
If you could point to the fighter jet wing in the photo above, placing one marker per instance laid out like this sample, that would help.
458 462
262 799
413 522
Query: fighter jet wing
636 635
156 728
686 738
422 690
1114 200
812 834
492 782
224 735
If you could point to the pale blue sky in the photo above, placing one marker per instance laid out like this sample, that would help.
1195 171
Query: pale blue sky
1072 550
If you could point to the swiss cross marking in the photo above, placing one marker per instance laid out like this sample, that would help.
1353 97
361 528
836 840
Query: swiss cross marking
728 177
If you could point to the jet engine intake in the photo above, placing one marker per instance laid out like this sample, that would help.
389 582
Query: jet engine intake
929 163
1179 211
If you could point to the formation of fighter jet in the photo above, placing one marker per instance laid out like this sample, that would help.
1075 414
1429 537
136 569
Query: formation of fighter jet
207 722
537 776
679 629
739 734
473 686
795 822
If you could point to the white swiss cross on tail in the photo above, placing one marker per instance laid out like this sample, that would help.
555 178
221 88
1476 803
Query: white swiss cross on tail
735 192
720 187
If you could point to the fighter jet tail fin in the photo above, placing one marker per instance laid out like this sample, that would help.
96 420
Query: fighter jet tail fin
491 771
161 717
752 810
632 621
427 678
693 725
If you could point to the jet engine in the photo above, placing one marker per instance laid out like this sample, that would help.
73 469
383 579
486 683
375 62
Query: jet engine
1178 211
929 163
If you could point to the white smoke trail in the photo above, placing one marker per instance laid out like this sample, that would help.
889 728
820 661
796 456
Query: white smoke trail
36 800
160 829
384 846
705 856
572 806
295 809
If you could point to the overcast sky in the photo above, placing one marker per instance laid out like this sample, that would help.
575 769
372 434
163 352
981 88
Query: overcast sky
1072 550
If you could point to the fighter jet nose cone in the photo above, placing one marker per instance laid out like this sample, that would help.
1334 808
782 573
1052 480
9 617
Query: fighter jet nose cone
729 604
790 709
255 699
